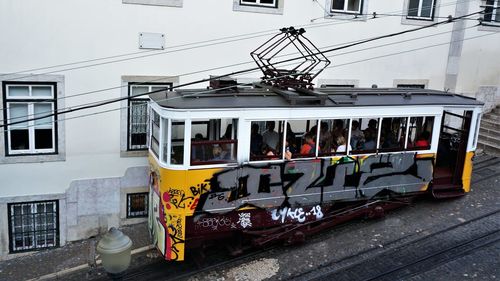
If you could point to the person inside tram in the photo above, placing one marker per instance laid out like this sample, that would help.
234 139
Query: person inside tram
269 152
270 137
218 154
423 140
255 140
288 153
325 138
370 141
357 136
309 146
342 144
372 128
198 152
290 139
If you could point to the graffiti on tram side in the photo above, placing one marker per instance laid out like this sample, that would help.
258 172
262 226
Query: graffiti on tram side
288 190
311 182
296 214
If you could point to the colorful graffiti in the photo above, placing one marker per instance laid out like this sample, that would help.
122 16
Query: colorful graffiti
305 183
291 192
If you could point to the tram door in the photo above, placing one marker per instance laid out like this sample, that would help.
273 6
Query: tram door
452 147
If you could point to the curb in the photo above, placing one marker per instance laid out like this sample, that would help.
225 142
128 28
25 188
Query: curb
60 273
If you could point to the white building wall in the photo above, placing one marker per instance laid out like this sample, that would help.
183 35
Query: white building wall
39 34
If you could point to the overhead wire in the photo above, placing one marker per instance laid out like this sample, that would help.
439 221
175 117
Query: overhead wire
250 36
102 103
210 91
185 74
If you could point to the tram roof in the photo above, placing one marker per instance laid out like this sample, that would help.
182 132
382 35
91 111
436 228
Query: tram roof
268 97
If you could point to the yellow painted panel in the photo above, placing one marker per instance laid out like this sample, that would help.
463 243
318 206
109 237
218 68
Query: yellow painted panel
467 174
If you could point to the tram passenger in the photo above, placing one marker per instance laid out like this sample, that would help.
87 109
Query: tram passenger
357 136
370 141
270 137
218 154
255 140
198 152
342 144
325 138
288 153
290 139
309 146
423 139
372 128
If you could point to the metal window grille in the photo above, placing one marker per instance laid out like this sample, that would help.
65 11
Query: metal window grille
423 9
137 205
492 11
265 3
33 225
138 124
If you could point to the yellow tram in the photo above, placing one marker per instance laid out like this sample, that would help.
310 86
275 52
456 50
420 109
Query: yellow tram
239 161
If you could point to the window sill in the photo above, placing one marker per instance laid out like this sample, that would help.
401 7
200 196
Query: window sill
346 16
40 158
134 153
417 21
488 26
166 3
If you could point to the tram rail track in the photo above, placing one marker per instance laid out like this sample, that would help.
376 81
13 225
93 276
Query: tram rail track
407 266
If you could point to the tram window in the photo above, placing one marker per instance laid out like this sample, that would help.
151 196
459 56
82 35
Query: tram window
155 134
213 141
304 138
333 137
165 138
177 142
266 140
420 133
364 135
393 134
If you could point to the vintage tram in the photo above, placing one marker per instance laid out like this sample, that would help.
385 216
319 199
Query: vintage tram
280 160
258 165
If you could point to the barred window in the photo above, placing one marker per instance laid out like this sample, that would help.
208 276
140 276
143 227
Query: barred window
33 225
137 205
138 114
421 9
492 11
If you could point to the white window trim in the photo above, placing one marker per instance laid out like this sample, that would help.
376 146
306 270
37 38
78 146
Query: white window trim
420 21
330 13
60 155
258 3
126 79
345 10
166 3
276 9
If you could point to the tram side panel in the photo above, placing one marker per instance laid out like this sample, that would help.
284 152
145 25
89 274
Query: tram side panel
269 194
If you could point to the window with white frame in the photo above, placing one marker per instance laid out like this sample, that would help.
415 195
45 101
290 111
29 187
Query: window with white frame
33 225
347 6
492 11
137 126
265 3
421 9
25 101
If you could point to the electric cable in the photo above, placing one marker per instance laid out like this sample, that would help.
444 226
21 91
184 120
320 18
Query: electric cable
267 32
343 45
96 104
210 91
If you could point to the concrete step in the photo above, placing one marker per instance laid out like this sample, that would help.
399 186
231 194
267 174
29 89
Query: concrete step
489 139
490 124
492 148
491 116
489 132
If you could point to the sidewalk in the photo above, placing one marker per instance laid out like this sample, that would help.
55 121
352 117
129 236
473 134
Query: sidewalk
73 254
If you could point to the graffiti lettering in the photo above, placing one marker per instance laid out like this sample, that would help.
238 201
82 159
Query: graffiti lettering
297 214
244 220
215 222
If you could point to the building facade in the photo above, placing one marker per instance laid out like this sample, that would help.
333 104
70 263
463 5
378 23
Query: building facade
68 177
